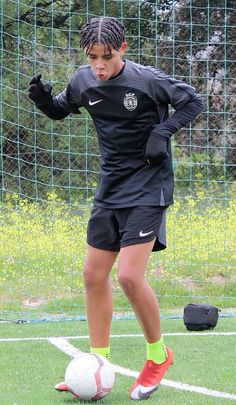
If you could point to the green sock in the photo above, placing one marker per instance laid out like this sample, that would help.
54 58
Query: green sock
156 351
103 351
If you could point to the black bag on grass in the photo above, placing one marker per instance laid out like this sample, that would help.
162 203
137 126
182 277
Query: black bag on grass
200 316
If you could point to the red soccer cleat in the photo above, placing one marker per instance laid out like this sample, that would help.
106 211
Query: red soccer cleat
61 387
150 377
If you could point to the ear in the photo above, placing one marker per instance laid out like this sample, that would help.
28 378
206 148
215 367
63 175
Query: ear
123 48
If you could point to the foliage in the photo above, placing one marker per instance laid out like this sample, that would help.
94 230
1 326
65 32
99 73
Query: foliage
201 171
43 245
190 41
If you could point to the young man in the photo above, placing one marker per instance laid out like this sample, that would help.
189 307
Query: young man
129 104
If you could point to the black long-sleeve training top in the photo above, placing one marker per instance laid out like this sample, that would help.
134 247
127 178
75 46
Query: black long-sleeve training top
125 109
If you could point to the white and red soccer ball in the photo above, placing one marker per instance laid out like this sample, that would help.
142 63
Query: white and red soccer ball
89 376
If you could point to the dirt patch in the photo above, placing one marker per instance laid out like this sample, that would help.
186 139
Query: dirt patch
34 303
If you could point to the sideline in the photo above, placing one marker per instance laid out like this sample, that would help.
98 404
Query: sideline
191 334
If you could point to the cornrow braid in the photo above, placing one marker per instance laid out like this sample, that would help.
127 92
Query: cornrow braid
106 30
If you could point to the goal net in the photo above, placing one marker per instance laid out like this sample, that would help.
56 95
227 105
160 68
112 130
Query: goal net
49 169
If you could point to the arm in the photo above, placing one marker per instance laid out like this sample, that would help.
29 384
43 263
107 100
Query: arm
180 118
55 108
187 105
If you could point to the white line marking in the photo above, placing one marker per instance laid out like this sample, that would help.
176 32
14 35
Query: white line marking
65 346
72 351
191 334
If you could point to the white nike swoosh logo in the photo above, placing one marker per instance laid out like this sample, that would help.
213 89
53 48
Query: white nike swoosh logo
144 395
94 102
142 234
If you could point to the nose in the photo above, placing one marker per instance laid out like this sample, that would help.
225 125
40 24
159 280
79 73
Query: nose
100 65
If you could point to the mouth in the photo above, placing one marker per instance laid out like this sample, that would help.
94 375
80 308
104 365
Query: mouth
101 76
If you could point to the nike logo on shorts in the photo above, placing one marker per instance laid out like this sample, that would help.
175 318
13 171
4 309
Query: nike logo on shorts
142 234
94 102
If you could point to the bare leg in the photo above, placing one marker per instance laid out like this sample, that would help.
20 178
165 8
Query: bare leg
97 268
132 266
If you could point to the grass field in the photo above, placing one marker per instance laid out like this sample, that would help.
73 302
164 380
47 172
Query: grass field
41 260
31 364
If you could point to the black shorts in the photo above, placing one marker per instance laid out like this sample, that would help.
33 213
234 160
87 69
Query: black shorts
112 229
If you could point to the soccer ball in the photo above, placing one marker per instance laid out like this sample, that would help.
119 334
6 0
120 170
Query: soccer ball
89 376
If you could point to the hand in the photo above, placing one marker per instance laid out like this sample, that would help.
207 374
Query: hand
38 92
156 150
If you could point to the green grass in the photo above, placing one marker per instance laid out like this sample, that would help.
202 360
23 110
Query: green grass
29 369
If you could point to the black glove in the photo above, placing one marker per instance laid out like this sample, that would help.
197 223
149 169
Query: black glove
156 149
38 92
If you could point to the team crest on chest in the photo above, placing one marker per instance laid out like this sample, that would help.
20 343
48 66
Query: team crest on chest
130 101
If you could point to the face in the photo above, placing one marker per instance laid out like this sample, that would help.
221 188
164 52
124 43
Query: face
105 64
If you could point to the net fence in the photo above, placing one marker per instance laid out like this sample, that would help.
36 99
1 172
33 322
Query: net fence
49 169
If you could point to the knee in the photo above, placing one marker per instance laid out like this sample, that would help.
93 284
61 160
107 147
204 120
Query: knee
127 281
88 276
93 277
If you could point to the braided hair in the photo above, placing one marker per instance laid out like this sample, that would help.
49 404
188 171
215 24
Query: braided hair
106 30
